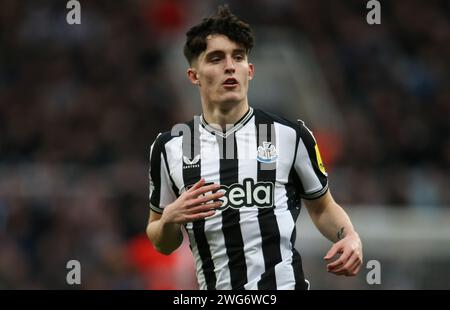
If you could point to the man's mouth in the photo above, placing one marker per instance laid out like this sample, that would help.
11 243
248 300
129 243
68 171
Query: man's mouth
230 82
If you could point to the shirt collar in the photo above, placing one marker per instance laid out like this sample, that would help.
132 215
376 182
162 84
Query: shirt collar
238 125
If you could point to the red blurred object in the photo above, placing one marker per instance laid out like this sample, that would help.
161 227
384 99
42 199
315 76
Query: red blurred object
159 269
165 15
330 146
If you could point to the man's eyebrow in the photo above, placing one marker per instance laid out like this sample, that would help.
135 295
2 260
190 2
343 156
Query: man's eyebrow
214 53
220 52
239 51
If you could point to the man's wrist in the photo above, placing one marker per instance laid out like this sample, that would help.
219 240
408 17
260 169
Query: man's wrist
352 233
344 232
167 224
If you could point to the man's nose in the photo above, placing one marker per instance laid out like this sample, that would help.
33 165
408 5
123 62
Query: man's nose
229 65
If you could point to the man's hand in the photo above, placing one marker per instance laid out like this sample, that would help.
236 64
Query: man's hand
350 257
193 205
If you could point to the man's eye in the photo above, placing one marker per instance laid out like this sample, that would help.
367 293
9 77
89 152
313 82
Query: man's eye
215 59
239 57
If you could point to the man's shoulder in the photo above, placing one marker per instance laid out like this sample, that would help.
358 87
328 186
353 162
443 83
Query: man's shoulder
163 137
177 130
269 117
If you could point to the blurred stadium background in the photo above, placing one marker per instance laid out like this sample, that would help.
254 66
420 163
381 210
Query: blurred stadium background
80 106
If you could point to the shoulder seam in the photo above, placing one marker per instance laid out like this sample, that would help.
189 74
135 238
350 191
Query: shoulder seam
279 119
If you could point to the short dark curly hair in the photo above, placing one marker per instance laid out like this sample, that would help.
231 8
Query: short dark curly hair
222 22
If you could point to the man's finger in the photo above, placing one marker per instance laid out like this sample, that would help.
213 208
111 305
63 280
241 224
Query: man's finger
340 273
346 265
206 198
202 215
333 251
356 266
197 185
342 260
204 189
204 208
351 271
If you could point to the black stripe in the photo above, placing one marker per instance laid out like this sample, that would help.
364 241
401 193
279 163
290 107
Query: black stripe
205 254
155 173
293 177
293 189
300 283
156 166
191 175
294 206
268 225
234 243
310 143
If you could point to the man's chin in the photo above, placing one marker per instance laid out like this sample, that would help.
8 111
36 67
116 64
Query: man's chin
231 99
229 102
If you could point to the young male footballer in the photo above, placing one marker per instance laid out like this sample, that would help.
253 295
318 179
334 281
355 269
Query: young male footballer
236 176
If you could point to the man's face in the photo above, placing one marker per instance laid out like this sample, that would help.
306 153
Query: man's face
222 71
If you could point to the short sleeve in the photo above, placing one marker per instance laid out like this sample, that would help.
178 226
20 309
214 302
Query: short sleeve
160 185
308 165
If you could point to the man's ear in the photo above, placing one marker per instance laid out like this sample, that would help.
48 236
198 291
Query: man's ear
193 76
251 71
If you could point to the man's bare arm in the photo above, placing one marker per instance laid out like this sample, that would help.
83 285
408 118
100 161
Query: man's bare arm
165 237
331 220
334 223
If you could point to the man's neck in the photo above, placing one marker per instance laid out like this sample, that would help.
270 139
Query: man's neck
219 117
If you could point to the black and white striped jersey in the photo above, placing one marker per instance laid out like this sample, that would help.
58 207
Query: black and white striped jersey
265 164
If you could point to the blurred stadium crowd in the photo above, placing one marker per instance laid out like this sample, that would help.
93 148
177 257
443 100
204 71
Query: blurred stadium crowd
80 106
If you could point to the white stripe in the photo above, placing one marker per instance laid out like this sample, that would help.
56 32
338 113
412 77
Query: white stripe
305 170
167 195
285 277
210 170
285 140
174 153
251 234
198 261
151 185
